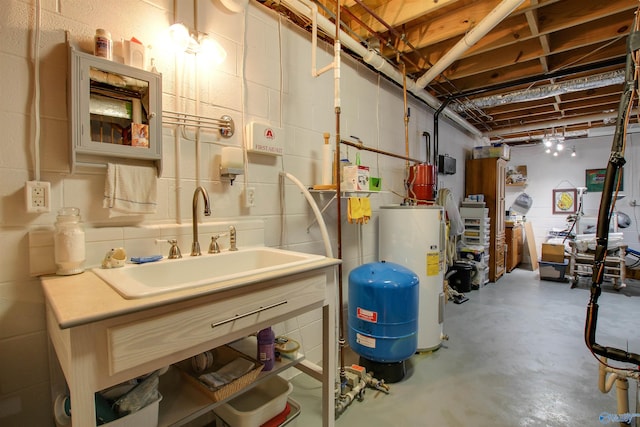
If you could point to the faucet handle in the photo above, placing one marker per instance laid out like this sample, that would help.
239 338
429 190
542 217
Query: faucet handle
174 251
232 238
214 247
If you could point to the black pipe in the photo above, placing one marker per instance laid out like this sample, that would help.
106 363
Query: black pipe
614 169
427 136
436 134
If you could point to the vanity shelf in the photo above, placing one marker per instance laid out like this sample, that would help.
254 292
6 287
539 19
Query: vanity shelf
182 402
343 195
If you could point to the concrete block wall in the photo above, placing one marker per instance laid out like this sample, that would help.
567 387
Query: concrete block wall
266 77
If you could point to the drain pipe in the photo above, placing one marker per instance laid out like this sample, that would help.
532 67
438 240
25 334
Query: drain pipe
373 58
607 376
491 20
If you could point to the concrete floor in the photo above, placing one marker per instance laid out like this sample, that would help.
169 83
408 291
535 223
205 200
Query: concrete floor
515 357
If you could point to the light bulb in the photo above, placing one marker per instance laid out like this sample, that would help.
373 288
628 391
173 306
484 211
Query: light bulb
560 146
555 154
547 142
573 152
213 50
548 150
179 36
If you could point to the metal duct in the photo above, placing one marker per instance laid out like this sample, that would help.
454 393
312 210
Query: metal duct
552 123
575 85
538 137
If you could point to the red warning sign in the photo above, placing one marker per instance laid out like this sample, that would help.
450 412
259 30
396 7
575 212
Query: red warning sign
268 133
368 315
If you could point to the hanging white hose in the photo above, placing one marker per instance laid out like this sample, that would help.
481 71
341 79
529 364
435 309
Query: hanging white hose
316 212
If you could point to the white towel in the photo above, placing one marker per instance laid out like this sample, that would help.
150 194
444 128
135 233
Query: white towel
130 189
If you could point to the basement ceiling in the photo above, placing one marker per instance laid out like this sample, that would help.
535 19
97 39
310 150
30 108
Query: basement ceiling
549 66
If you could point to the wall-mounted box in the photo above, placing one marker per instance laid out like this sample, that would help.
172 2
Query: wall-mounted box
265 139
446 165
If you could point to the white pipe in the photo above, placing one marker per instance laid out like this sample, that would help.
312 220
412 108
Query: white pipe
372 57
313 9
36 90
316 212
336 74
176 137
491 20
622 396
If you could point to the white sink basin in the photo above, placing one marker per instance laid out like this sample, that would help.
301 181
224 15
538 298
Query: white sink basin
144 280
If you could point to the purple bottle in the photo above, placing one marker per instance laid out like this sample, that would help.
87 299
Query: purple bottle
266 352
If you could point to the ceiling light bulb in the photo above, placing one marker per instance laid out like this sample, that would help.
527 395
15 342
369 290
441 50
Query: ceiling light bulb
548 150
573 152
555 154
560 146
547 142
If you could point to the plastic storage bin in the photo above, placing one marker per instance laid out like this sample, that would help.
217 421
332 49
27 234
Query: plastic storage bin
145 417
553 271
257 405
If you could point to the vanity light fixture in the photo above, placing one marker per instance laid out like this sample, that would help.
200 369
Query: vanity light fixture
201 44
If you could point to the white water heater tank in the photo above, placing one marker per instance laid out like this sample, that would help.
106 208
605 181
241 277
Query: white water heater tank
414 237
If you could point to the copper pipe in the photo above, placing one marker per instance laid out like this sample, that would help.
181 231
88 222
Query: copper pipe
361 146
341 339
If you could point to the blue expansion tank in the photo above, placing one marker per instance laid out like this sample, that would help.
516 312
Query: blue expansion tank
383 311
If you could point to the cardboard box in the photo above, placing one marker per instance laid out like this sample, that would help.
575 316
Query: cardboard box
355 178
552 252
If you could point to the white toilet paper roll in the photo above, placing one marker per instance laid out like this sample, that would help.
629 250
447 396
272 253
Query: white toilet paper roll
136 111
232 158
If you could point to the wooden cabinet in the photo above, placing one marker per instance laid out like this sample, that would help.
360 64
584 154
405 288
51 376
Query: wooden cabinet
513 236
115 112
487 177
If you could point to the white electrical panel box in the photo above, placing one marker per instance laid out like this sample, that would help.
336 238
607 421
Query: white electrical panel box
265 139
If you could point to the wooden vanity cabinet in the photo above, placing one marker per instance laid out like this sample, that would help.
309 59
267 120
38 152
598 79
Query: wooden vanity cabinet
101 339
487 177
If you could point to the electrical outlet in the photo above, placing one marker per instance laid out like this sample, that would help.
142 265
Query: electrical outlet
38 196
250 197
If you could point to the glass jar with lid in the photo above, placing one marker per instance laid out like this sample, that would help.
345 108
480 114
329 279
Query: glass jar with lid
69 242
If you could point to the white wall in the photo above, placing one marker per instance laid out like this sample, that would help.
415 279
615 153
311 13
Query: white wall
546 173
274 58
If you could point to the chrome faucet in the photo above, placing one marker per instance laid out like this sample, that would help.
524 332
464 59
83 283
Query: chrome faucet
232 238
195 246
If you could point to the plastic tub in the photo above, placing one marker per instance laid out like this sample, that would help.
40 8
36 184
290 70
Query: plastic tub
145 417
257 405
